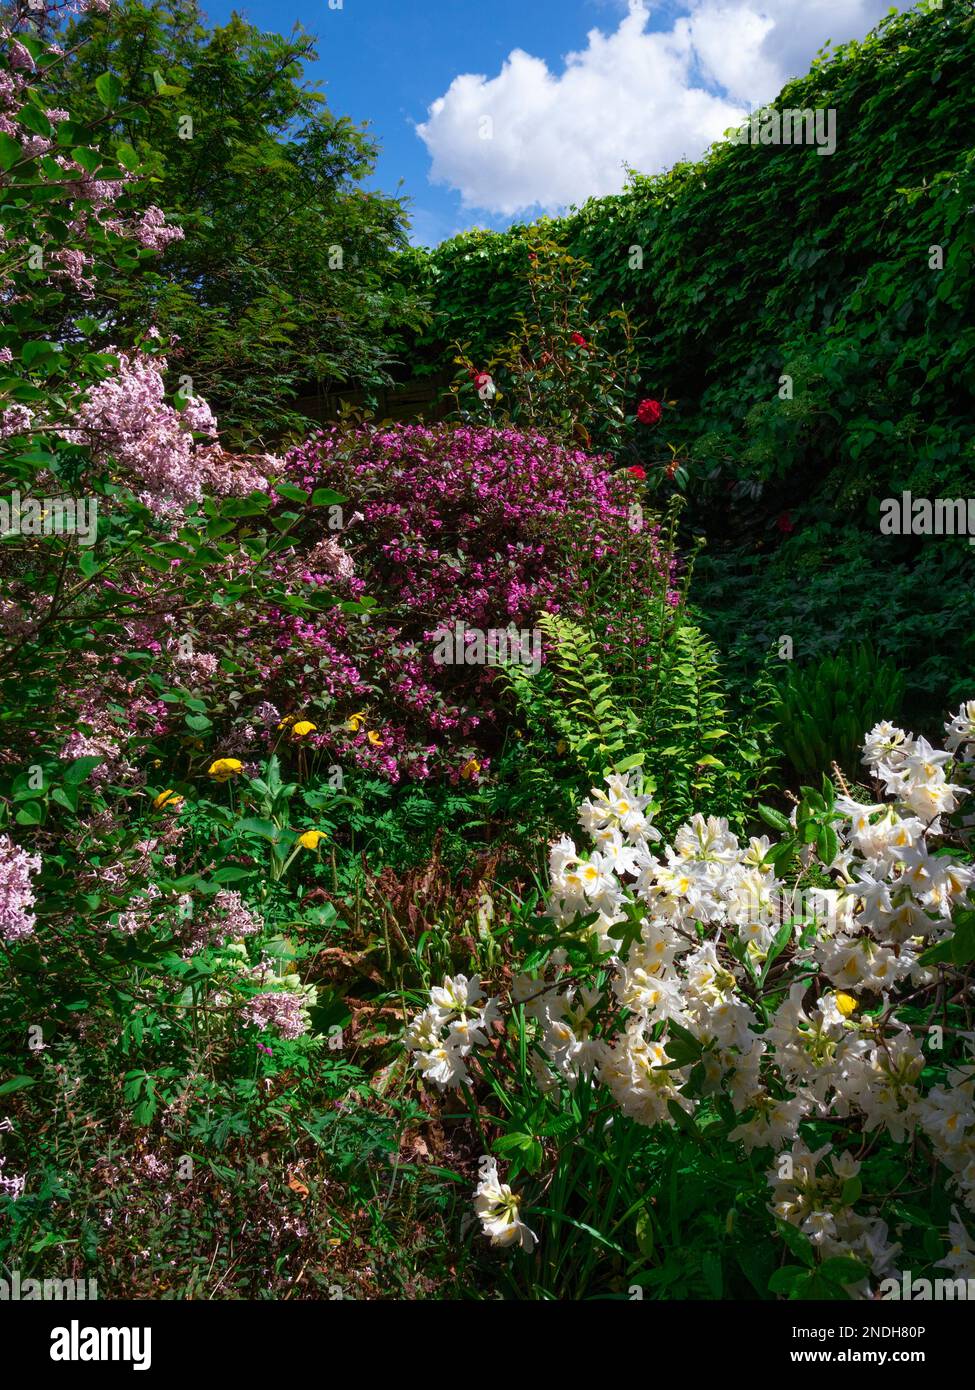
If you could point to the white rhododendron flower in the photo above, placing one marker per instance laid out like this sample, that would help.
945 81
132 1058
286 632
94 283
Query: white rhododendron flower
681 1009
497 1207
443 1034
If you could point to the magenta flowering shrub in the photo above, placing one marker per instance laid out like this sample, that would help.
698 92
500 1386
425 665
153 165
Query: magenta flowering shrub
463 530
430 531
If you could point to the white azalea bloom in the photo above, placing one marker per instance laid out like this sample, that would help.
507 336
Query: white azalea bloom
473 1031
885 743
442 1065
599 883
638 1073
675 1008
622 858
456 995
706 839
423 1030
443 1034
960 730
774 1124
960 1258
498 1209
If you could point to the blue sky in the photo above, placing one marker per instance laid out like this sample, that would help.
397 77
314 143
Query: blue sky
488 113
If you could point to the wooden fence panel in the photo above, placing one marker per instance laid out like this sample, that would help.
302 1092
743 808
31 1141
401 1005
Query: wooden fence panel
408 400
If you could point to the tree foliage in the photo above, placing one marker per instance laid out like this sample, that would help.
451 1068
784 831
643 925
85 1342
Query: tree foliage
286 279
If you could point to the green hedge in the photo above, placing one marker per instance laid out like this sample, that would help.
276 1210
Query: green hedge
760 261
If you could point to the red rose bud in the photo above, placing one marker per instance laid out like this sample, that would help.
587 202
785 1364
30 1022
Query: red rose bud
579 340
649 412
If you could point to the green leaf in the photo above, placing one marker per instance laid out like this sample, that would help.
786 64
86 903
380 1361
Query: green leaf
17 1083
254 825
782 938
827 844
10 151
635 760
798 1242
127 157
90 160
34 120
164 88
843 1270
289 491
787 1279
66 797
80 768
774 818
109 89
232 874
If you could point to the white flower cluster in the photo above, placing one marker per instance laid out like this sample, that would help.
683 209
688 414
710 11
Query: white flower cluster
704 920
810 1196
894 896
498 1208
442 1035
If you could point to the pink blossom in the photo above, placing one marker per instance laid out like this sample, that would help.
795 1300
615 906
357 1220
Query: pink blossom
278 1010
16 891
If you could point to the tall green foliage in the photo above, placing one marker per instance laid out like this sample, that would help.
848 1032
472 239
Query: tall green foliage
287 276
823 709
763 261
698 749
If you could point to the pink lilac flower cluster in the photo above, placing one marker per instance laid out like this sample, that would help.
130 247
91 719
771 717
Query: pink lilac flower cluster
12 1187
16 891
152 231
114 766
228 918
278 1010
127 420
127 423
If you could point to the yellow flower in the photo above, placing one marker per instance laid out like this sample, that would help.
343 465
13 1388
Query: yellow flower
225 768
167 798
846 1004
356 722
288 719
561 746
311 838
470 769
374 739
304 726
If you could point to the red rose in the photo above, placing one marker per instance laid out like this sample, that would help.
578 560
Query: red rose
579 340
637 472
649 412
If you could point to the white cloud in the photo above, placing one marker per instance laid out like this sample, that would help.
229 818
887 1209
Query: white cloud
529 138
